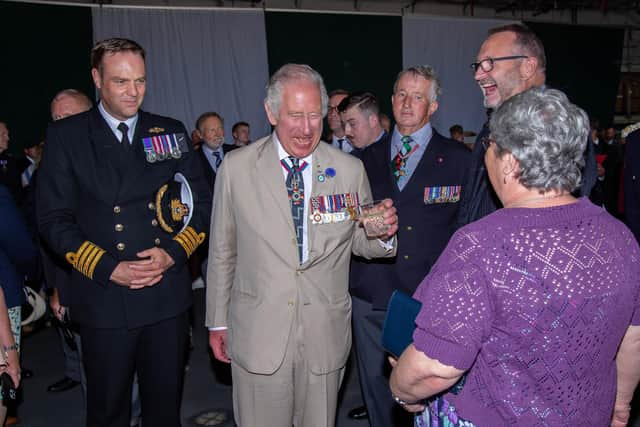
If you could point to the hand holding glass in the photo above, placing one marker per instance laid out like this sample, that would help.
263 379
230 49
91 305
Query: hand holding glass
371 216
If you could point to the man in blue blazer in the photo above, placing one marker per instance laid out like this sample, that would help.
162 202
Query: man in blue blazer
422 172
101 207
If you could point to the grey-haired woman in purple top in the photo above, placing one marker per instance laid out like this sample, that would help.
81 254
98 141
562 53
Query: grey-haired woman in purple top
531 312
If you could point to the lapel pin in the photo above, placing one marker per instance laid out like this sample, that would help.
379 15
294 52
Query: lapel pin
321 178
156 130
330 172
439 159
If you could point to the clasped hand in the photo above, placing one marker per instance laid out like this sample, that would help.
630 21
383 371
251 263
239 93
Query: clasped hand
145 272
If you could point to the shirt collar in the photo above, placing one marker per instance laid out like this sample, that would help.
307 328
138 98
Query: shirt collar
210 150
113 122
282 154
422 134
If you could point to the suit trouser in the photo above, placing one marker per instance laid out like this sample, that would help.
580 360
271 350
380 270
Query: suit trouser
293 395
156 353
373 366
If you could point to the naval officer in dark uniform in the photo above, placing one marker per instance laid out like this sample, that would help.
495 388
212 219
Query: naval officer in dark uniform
101 205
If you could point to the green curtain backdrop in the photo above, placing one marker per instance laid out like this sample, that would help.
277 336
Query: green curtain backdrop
44 49
584 62
352 52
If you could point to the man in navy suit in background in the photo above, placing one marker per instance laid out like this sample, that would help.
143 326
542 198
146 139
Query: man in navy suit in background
211 129
422 171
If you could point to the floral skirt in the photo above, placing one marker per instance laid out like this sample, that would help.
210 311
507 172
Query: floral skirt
440 413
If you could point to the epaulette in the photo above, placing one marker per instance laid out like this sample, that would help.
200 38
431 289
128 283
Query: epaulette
631 128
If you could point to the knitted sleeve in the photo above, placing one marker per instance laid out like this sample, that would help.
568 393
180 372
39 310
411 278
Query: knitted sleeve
456 312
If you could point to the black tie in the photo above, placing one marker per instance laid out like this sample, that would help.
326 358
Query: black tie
340 143
126 144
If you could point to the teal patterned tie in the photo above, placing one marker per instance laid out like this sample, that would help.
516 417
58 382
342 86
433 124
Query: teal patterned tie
295 189
399 162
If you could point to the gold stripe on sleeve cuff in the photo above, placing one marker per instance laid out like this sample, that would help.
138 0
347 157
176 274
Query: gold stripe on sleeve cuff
86 258
189 239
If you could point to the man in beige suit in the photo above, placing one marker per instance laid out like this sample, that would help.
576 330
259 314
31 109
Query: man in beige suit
278 306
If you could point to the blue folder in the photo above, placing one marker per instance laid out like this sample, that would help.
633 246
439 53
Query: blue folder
397 332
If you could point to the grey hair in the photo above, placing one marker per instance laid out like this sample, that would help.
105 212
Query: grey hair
428 73
547 134
289 73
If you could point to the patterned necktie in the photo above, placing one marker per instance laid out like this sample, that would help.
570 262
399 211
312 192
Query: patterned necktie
399 163
126 144
217 158
295 188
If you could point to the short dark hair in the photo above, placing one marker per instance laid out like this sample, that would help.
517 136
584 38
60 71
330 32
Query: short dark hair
338 92
237 125
365 101
205 116
526 39
112 46
456 129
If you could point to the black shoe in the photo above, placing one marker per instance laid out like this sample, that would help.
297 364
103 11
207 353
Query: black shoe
63 385
26 373
359 413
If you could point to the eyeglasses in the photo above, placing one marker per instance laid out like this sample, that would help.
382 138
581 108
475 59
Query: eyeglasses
488 63
486 142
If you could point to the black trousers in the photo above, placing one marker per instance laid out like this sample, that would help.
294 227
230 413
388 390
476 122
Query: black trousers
155 352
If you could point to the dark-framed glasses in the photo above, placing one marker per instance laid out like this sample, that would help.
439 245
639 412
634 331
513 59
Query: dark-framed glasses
487 64
486 142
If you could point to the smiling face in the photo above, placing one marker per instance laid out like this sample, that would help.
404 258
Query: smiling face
212 132
411 106
506 78
298 123
122 83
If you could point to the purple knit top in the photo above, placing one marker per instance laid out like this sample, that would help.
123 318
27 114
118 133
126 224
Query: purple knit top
533 303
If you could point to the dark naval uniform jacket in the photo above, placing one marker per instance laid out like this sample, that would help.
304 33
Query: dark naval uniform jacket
425 225
97 207
632 179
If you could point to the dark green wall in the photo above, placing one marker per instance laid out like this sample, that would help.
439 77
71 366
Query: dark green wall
584 62
352 52
44 49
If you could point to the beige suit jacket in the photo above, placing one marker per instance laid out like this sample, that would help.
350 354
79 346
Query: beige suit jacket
255 280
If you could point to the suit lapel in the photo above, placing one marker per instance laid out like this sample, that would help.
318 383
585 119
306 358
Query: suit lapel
107 154
271 187
136 161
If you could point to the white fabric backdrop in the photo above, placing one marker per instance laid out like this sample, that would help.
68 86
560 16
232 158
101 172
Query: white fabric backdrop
449 45
197 61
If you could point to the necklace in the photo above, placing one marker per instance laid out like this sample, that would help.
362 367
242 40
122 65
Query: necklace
523 203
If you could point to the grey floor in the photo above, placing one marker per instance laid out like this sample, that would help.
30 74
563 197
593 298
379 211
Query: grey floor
204 388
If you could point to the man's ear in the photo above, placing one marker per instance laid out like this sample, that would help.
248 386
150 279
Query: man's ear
528 68
95 74
270 115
